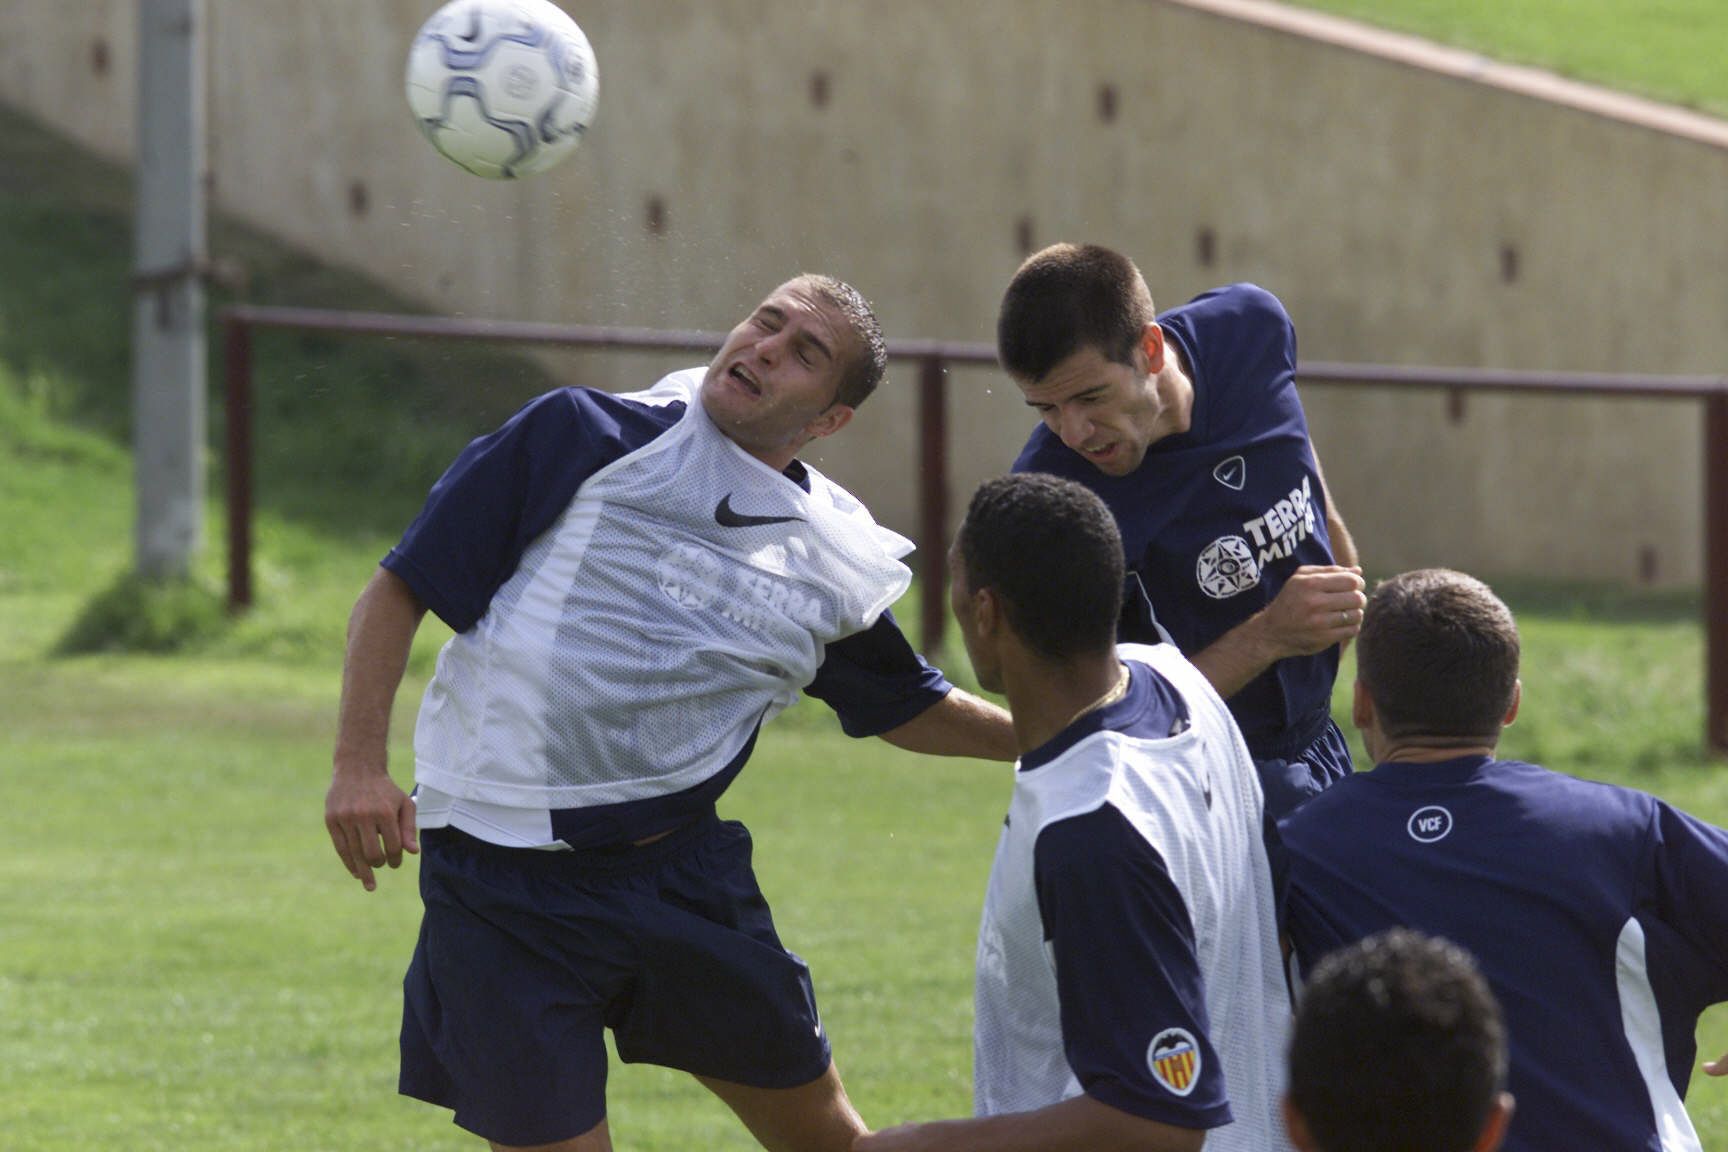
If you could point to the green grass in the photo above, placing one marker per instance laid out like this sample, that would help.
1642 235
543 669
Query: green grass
183 963
1669 50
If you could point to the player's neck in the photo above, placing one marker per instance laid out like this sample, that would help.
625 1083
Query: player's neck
1425 750
1176 390
1046 698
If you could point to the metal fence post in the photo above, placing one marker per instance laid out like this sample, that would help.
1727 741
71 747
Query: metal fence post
1716 573
933 499
237 421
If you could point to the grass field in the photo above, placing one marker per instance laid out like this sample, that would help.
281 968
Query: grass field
1668 50
184 965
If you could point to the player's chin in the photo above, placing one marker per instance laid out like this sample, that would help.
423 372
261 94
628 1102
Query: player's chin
1113 461
724 404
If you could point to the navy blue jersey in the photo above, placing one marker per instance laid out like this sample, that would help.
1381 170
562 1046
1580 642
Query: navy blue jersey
1598 914
508 488
1216 518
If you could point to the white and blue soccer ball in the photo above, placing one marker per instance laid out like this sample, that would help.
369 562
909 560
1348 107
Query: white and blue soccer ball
503 88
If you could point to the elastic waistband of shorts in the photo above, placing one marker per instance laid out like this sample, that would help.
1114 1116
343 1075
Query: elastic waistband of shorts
1293 741
613 859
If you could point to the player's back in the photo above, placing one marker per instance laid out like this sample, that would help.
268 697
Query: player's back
1556 886
1203 810
1189 802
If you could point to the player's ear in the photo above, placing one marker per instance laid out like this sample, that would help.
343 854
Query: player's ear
1361 706
833 418
1517 699
1297 1127
987 612
1152 347
1494 1130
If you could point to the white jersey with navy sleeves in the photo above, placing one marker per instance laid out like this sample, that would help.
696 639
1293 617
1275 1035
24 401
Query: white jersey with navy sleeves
685 595
1598 915
1129 948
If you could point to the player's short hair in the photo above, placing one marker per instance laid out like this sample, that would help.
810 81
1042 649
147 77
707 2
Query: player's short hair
1050 549
1438 655
1398 1046
869 363
1066 298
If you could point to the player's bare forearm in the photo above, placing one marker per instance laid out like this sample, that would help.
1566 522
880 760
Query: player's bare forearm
380 634
1319 606
1235 658
959 724
1344 552
1080 1124
369 818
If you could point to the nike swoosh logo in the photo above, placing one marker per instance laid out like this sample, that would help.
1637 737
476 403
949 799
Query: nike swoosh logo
726 518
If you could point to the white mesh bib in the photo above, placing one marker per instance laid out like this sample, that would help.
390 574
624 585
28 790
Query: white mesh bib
686 594
1214 854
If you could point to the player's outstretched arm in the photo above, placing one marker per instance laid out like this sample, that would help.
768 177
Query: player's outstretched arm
959 724
1717 1067
369 818
1079 1123
1319 606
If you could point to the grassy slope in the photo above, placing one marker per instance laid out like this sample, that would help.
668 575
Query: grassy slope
1656 48
182 963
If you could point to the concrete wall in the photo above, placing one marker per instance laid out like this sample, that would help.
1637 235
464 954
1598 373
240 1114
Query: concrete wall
1410 207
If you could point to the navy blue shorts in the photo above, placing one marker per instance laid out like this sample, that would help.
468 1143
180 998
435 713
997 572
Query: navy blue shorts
525 955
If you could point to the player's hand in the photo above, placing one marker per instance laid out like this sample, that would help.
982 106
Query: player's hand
370 821
1717 1067
1319 606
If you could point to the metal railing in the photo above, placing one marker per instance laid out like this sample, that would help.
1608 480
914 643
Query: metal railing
933 357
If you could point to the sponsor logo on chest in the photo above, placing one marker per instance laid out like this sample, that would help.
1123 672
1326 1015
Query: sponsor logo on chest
1277 531
1234 564
693 578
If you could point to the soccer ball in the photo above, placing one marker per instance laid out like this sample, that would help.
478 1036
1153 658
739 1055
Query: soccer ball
504 88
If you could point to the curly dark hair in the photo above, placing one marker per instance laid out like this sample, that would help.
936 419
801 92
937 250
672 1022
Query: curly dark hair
1398 1046
1050 549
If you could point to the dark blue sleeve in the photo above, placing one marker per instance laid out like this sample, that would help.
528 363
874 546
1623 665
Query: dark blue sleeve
1126 970
875 681
1690 863
508 487
1244 345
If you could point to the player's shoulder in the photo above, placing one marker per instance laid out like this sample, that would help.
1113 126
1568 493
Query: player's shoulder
1564 796
1241 303
628 419
1045 452
1081 843
1319 811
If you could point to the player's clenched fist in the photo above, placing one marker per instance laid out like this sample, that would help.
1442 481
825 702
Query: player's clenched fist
1319 606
